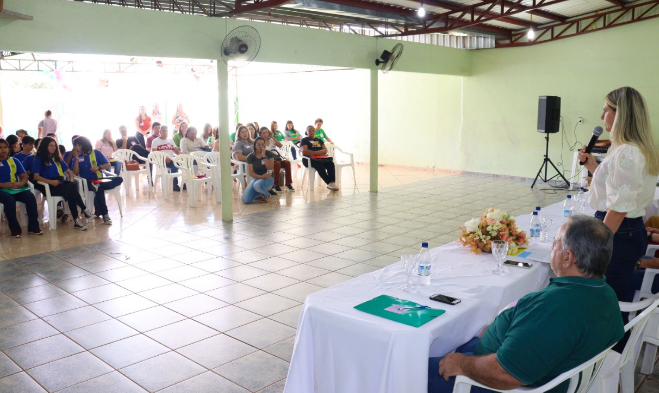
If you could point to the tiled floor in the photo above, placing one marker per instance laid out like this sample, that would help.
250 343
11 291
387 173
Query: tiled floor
151 211
188 303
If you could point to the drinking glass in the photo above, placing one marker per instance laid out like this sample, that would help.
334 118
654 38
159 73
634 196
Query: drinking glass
499 252
546 223
410 265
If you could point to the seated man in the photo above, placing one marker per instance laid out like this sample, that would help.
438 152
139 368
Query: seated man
131 143
550 331
88 163
155 133
168 147
28 149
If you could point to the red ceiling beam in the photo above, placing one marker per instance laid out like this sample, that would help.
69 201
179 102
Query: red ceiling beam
537 12
471 16
240 9
455 6
585 25
373 6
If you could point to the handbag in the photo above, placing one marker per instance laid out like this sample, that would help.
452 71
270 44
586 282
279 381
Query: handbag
132 165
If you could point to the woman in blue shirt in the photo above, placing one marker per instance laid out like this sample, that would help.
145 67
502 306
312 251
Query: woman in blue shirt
12 177
49 168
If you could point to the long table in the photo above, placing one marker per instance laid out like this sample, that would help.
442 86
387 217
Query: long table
341 350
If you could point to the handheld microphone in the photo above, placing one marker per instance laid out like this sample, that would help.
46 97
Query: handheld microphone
597 131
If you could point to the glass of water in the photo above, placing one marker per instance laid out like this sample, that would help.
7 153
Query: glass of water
410 265
499 252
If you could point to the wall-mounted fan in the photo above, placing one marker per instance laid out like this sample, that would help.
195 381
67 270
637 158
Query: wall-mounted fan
241 45
389 59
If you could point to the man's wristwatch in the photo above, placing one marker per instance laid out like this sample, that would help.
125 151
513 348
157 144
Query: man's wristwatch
638 264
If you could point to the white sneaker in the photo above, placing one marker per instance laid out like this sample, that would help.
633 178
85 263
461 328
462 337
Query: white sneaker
107 220
332 186
77 224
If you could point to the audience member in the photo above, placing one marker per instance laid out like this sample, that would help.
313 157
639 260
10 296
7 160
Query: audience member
243 145
191 143
316 150
21 134
233 134
13 180
207 134
28 149
252 130
216 135
108 146
143 122
14 145
155 133
278 135
131 143
260 164
168 147
182 129
292 136
180 117
62 148
548 332
320 133
49 168
48 125
88 164
272 145
29 160
156 116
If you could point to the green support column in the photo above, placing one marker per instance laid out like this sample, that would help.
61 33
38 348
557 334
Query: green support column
225 141
374 131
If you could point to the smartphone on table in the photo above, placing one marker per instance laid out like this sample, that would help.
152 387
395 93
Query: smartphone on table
445 299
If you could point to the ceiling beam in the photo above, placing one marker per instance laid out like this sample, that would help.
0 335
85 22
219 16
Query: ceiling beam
451 6
619 3
369 5
262 5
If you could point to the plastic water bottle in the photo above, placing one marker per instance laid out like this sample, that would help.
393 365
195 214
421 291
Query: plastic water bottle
424 265
568 206
580 201
536 227
539 210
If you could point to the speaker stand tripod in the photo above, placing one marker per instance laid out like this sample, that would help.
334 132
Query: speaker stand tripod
545 164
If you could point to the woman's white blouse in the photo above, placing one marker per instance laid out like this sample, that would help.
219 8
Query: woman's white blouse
621 183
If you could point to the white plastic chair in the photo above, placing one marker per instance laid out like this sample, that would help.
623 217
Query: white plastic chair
22 212
618 369
89 195
342 159
52 202
123 155
308 172
648 278
580 377
242 172
286 150
159 160
199 154
185 163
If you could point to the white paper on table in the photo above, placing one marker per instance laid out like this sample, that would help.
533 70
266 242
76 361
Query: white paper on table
537 252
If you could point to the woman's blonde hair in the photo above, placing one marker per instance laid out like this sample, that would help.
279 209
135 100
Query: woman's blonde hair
631 125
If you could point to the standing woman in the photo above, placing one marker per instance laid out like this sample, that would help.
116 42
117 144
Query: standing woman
180 116
624 183
182 130
143 122
156 116
260 164
108 146
49 168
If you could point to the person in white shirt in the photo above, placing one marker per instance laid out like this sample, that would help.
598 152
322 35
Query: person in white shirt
624 183
191 143
168 147
48 125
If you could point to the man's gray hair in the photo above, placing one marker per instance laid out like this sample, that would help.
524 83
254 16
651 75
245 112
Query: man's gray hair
591 242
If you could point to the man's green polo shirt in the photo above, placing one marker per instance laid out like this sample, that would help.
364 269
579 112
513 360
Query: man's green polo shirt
554 330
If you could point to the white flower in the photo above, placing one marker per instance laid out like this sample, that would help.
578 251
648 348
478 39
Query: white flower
472 224
496 215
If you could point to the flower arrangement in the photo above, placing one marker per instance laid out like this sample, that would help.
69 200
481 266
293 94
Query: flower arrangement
494 224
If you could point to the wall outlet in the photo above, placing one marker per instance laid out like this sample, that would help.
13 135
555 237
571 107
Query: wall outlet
580 121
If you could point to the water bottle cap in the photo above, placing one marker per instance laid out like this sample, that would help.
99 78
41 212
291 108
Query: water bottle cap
582 189
424 245
537 208
535 213
569 196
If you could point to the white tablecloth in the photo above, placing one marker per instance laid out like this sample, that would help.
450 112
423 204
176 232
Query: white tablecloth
653 208
341 350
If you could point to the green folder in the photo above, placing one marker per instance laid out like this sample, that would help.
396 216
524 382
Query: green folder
413 317
12 191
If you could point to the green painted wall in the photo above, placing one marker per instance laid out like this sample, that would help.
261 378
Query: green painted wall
501 96
71 27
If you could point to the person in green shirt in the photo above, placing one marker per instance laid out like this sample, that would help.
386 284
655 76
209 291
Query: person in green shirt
548 332
320 133
233 134
182 129
278 135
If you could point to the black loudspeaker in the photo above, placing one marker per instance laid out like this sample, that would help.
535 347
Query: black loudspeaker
549 114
